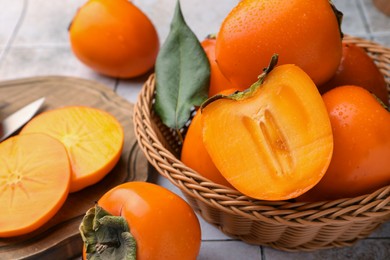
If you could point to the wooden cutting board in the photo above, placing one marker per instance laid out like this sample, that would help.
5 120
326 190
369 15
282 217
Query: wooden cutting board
59 238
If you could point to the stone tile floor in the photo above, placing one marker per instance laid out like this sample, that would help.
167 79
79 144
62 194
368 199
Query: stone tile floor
34 42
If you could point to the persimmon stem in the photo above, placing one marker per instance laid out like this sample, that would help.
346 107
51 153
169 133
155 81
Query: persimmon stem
241 94
260 79
272 64
211 36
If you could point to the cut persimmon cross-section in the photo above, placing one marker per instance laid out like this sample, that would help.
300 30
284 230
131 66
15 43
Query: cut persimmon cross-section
273 141
93 138
34 182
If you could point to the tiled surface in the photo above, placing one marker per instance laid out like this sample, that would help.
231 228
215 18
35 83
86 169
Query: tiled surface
34 41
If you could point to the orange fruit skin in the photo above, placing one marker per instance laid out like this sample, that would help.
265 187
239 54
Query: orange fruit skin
360 162
303 32
195 155
357 68
162 223
93 139
114 38
218 82
34 182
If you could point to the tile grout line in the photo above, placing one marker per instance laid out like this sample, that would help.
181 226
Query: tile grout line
222 240
41 45
262 253
14 31
363 15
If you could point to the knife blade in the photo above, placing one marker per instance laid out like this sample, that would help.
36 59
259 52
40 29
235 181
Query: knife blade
15 121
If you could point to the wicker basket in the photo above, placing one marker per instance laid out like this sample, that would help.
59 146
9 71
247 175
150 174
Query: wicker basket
285 225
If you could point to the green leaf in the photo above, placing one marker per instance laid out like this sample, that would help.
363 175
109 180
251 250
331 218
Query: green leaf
182 74
106 236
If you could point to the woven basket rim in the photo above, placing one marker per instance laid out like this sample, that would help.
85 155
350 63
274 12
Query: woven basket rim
361 208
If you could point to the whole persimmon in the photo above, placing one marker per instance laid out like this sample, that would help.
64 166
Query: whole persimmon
360 162
357 68
303 32
141 220
194 153
114 38
218 82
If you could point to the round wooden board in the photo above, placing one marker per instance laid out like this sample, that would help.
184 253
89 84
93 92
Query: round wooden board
60 236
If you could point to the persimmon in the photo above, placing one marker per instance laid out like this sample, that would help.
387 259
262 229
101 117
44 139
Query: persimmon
162 224
360 163
357 68
195 155
93 139
273 141
34 182
305 33
114 38
218 82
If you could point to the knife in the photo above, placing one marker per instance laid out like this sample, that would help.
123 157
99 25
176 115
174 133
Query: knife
16 120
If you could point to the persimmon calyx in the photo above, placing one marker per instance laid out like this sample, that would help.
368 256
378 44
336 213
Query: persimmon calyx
211 36
239 95
106 236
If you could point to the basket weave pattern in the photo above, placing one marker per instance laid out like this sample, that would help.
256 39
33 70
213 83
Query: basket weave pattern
285 225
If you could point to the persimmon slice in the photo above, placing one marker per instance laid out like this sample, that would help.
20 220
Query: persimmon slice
93 139
34 182
274 141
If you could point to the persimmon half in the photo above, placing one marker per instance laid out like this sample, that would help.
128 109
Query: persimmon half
360 163
93 139
357 68
114 38
273 141
34 182
305 33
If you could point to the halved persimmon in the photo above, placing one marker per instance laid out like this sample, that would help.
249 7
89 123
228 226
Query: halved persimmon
273 141
34 182
93 138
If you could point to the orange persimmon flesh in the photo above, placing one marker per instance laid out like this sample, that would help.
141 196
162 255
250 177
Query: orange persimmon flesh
34 182
93 139
274 142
